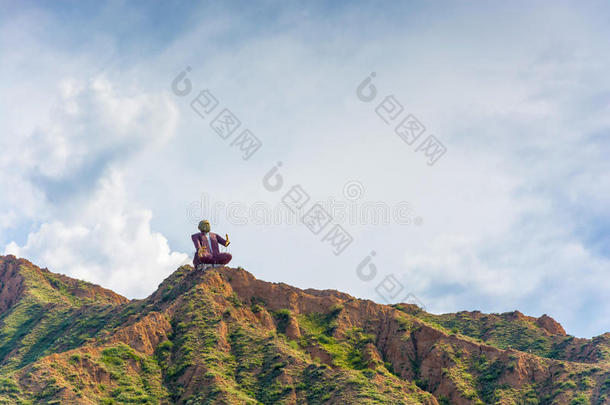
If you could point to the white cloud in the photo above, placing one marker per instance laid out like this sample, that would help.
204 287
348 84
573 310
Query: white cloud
109 242
96 120
64 177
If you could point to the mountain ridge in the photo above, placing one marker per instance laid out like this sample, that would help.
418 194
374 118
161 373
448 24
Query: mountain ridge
223 336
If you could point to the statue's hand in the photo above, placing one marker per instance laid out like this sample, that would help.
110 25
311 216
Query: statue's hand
227 239
202 251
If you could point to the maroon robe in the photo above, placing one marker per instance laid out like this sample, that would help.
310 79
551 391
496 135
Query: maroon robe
213 254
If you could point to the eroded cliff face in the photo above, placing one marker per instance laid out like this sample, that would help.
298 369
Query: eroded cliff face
11 283
224 337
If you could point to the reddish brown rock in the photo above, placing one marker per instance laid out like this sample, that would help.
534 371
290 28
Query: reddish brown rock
550 325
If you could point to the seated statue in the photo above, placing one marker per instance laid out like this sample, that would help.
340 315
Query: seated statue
206 245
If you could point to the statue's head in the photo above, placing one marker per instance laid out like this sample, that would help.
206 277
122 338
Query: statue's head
204 226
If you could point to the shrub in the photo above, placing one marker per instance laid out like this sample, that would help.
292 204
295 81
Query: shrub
75 358
336 309
282 318
580 399
234 299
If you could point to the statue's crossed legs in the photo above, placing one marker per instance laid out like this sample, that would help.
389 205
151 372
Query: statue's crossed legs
209 260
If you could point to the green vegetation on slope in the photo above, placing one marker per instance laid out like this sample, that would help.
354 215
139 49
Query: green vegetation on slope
59 345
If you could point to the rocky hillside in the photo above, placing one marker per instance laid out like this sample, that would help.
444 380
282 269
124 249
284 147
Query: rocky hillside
224 337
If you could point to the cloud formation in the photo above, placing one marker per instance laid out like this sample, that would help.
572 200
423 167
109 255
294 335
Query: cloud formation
108 242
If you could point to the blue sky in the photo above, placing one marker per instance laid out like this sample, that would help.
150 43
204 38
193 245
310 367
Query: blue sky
103 166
